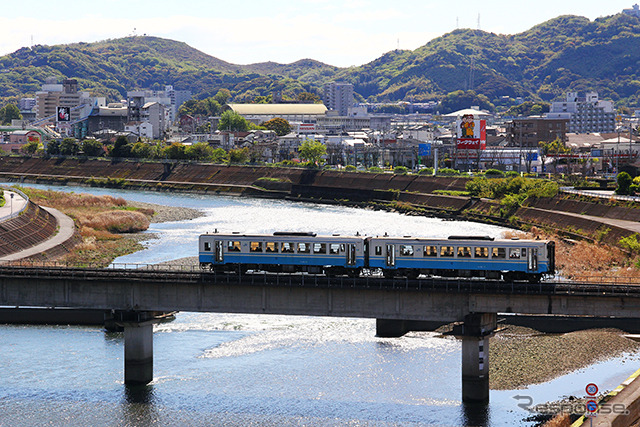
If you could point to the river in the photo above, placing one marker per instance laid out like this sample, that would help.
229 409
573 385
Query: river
226 369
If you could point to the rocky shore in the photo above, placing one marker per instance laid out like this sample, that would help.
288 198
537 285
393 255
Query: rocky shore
167 213
521 356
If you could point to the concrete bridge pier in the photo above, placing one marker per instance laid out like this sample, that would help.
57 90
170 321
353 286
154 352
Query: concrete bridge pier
138 346
476 331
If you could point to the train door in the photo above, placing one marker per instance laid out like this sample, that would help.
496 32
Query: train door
532 259
351 254
391 255
219 257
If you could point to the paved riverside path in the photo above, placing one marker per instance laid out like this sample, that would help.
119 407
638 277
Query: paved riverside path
66 228
12 205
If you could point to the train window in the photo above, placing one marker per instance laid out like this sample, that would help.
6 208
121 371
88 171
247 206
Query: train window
207 246
233 246
430 251
498 253
271 247
446 251
287 248
319 248
514 253
406 250
464 252
524 252
378 250
334 248
255 246
303 248
482 253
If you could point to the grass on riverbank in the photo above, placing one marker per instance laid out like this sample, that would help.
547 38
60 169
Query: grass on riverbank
582 260
105 224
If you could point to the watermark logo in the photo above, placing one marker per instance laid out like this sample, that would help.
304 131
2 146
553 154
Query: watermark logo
577 407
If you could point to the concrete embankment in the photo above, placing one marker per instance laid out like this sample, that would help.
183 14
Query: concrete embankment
404 193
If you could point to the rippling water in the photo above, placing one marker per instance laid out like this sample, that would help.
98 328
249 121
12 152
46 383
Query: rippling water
227 369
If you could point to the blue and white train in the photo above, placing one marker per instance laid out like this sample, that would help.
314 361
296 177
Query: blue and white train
457 256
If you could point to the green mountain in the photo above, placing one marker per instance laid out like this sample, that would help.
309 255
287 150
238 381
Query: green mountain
568 53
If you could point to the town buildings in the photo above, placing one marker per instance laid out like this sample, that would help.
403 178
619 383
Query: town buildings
586 114
65 94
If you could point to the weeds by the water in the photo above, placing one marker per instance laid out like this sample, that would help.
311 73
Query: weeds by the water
582 260
102 222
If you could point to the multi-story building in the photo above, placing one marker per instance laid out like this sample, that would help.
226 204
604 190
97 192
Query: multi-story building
169 97
586 114
529 131
338 97
54 94
634 11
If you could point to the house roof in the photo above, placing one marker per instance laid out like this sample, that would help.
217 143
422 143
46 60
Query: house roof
278 109
467 111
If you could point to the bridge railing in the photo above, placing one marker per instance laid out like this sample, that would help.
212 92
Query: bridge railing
163 273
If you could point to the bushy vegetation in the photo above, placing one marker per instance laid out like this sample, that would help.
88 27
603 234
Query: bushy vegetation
400 170
517 188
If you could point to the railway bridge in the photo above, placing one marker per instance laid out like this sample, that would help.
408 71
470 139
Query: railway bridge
135 294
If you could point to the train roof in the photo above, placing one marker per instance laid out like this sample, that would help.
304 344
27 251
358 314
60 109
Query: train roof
452 240
280 235
457 240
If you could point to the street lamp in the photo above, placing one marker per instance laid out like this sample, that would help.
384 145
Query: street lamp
11 194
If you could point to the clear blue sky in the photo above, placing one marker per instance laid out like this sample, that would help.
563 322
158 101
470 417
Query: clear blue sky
341 33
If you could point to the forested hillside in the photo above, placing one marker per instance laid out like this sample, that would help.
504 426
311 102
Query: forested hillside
568 53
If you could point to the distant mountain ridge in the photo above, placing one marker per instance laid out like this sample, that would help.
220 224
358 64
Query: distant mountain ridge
568 53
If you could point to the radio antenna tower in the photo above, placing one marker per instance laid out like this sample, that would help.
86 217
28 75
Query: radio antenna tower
479 21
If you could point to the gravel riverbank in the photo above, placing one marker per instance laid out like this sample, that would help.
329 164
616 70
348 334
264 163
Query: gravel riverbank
521 356
167 213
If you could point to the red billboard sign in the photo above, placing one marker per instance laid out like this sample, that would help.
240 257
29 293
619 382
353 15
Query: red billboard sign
472 133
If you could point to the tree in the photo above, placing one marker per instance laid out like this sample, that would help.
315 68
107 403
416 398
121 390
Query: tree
8 113
312 150
459 100
53 147
175 151
222 96
552 149
121 148
624 181
307 97
279 125
142 150
92 148
239 155
32 147
199 151
233 122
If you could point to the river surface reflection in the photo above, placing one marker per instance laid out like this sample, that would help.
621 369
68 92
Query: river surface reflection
229 369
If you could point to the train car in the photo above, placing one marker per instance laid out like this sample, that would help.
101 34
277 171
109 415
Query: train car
463 256
283 252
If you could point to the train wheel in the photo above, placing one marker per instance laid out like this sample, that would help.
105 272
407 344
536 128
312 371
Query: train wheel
388 274
353 272
412 274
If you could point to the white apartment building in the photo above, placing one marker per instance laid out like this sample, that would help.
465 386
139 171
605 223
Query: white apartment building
586 114
169 97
